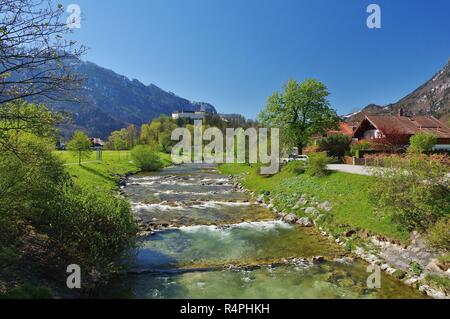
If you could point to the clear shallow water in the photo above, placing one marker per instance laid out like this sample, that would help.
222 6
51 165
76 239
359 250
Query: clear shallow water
224 246
247 243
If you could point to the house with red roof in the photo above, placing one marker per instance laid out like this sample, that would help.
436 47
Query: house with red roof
379 126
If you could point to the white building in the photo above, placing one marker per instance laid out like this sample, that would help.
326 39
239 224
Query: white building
199 115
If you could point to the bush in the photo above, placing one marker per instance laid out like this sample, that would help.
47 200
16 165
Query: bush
356 148
335 145
422 142
439 235
68 225
317 164
92 230
28 291
146 158
413 191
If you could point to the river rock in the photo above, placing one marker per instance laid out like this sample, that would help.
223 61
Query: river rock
290 218
260 199
318 259
312 211
305 222
302 202
326 206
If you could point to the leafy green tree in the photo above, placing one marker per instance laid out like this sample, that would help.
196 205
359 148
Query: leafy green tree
118 140
335 145
131 136
422 142
301 111
80 146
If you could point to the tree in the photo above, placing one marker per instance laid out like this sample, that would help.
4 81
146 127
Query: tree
33 52
131 136
80 145
335 145
301 111
422 142
393 140
118 140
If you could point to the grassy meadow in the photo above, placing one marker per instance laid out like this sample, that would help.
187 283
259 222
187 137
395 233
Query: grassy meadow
349 194
104 174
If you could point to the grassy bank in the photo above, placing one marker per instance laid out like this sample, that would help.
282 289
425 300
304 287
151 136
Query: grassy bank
348 194
104 174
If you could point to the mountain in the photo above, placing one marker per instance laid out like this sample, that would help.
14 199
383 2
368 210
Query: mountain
432 98
109 101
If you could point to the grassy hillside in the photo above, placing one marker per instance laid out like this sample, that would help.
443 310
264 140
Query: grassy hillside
349 195
102 175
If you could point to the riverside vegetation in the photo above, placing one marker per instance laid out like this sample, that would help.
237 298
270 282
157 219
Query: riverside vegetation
56 210
361 207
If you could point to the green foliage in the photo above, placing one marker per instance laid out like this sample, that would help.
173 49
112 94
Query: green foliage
20 116
80 145
28 291
39 200
159 132
356 148
92 230
439 234
422 142
317 164
349 194
399 274
301 111
146 158
413 191
335 145
438 282
415 268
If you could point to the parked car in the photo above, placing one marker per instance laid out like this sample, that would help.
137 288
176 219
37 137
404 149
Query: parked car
291 158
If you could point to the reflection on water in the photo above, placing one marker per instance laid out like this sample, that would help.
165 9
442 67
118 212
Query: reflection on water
221 245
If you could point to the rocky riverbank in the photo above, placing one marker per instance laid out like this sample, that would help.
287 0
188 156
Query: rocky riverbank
411 264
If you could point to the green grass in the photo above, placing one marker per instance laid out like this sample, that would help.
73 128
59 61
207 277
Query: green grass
349 195
102 175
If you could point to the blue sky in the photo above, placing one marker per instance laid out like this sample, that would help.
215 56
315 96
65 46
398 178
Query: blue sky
235 53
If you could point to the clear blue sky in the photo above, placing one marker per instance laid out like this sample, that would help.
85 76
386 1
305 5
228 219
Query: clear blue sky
235 53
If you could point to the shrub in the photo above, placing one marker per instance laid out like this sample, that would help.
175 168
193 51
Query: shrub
422 142
413 191
317 164
439 234
356 148
146 158
335 145
28 291
415 268
93 230
39 201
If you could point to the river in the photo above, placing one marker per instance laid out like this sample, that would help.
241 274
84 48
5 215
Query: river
211 241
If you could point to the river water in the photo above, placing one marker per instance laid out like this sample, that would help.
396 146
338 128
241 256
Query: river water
214 242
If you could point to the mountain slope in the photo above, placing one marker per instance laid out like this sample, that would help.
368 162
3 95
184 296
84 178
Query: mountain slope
432 98
109 101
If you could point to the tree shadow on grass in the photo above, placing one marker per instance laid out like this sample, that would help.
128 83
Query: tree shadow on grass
99 174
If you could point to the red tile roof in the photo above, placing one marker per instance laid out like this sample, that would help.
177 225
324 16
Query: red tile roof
410 125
